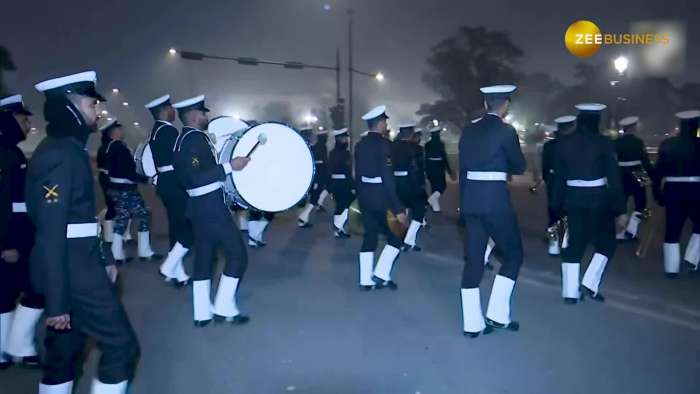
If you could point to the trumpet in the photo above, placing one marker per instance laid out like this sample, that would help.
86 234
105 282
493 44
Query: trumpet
642 177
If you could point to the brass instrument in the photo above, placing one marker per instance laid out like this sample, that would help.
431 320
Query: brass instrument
556 231
642 177
647 235
357 228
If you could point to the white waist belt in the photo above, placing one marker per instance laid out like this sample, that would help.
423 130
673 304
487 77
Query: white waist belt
581 183
487 176
82 230
629 163
202 190
338 176
165 168
123 181
435 158
19 207
319 162
376 179
102 170
690 179
400 173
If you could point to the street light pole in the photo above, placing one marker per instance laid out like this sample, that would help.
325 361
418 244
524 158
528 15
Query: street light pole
350 72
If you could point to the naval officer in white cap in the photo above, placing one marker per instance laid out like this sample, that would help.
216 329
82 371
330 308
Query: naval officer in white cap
489 151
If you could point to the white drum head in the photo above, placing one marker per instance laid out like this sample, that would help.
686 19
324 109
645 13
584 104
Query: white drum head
280 171
223 127
144 160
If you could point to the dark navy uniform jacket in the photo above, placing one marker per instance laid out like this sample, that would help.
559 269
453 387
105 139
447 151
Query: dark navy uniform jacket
196 166
587 156
14 233
60 191
162 142
122 167
630 148
404 158
320 153
488 144
373 164
436 162
339 163
679 156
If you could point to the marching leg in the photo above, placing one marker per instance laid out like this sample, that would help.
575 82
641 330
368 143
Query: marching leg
487 254
321 199
382 272
20 338
201 301
303 219
339 224
117 249
225 305
104 388
107 231
672 259
593 276
5 323
366 267
410 238
692 252
633 225
570 277
171 269
498 312
62 388
472 316
434 201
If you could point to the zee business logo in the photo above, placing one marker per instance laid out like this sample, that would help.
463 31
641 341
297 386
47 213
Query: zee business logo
584 38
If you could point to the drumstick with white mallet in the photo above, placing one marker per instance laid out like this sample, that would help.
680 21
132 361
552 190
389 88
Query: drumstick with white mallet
262 139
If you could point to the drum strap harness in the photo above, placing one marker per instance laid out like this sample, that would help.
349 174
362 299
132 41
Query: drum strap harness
202 190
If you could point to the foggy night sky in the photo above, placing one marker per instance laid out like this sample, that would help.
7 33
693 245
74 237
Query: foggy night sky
126 42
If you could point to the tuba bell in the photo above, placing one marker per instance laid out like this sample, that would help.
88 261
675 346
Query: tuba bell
357 228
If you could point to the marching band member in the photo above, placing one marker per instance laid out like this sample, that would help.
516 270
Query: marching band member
488 151
318 192
588 188
677 188
128 202
564 126
17 319
376 192
197 169
162 142
408 175
257 224
67 270
103 179
436 164
341 183
632 157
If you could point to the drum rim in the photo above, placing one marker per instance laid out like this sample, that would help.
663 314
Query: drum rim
313 167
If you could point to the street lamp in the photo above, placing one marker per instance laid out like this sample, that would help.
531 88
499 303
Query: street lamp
115 91
379 77
172 51
621 63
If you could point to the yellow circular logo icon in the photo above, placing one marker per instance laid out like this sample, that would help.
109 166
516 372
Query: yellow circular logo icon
583 38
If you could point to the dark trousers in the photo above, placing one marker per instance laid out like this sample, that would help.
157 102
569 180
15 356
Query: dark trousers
375 223
413 197
213 228
318 187
553 215
175 201
633 189
437 181
342 194
589 225
97 314
15 284
503 228
109 202
682 203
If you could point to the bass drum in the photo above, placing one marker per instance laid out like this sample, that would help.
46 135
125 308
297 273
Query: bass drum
357 228
280 172
144 160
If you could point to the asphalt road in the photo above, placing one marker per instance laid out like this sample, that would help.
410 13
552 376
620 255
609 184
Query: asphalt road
313 331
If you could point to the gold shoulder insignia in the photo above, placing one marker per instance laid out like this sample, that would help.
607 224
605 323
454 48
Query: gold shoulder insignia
195 161
51 195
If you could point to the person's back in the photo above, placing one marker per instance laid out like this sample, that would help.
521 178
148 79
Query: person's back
488 146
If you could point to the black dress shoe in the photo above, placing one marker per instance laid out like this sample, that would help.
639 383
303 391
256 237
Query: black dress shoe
380 283
179 285
671 275
302 224
5 365
512 326
341 234
151 258
570 301
201 323
486 331
31 361
366 287
233 320
594 296
124 261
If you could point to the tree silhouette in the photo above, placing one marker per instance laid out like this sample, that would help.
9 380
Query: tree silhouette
459 65
6 64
